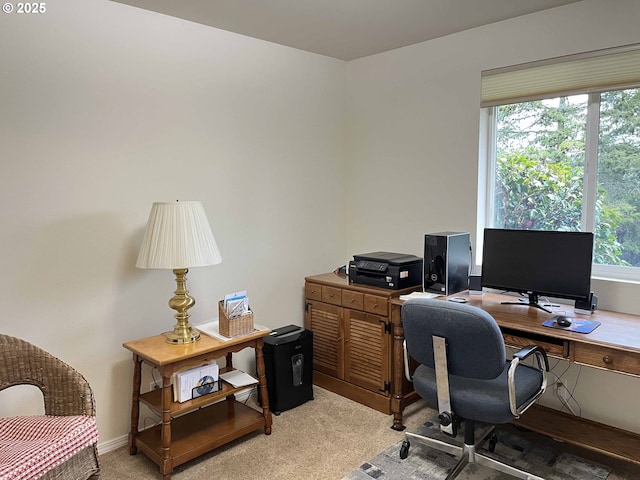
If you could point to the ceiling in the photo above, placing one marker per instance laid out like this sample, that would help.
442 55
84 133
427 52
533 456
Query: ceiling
345 29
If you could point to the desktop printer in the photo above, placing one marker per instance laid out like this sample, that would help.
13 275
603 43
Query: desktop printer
386 270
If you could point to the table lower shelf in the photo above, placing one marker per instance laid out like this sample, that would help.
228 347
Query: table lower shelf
588 434
200 431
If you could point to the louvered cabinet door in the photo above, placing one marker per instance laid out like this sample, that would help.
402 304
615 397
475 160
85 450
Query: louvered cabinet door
325 321
367 362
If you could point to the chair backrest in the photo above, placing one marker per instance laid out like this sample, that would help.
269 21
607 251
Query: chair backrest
65 390
475 346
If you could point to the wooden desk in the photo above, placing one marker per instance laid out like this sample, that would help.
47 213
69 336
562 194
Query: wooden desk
194 427
614 346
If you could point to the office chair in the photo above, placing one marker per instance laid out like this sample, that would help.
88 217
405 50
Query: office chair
464 372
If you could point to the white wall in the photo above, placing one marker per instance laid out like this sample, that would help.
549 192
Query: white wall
104 109
413 122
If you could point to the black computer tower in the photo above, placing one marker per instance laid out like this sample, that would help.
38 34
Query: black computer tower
447 256
289 367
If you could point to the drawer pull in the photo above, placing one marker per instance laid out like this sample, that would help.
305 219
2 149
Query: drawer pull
607 360
353 300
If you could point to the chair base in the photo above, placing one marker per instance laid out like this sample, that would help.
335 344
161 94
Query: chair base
83 465
467 453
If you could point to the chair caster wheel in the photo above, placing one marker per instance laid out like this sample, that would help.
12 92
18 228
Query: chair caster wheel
493 440
404 449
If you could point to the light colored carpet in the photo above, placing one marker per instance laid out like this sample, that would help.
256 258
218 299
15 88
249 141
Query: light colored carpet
323 439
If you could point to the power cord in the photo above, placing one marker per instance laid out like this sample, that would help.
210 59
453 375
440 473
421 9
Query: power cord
153 421
156 382
564 393
341 271
251 392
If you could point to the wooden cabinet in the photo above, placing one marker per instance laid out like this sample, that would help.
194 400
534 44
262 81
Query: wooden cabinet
196 426
352 338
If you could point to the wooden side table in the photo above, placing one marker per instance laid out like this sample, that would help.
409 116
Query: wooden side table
197 426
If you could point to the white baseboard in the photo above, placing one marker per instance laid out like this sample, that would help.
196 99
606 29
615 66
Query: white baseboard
110 445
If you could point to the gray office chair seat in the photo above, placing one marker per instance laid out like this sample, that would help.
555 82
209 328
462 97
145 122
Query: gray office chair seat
482 400
463 371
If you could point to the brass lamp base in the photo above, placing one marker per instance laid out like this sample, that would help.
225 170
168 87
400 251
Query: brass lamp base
183 332
191 336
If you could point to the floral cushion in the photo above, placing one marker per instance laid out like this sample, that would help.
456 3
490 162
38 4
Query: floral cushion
32 445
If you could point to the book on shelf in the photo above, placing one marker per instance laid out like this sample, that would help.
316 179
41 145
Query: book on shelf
238 378
195 382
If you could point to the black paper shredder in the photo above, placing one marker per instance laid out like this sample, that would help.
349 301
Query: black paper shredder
288 364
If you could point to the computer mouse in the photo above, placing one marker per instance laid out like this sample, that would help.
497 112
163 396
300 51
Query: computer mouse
563 321
458 299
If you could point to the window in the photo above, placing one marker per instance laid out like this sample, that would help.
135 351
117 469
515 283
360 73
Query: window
567 160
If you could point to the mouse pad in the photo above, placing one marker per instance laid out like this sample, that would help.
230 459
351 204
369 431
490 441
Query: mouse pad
579 325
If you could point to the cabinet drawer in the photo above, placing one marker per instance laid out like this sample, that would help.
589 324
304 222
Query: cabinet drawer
559 349
608 358
374 304
352 300
313 291
332 295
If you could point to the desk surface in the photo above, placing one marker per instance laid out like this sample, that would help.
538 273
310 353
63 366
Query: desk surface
618 330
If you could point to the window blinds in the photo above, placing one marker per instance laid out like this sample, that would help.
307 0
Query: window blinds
601 70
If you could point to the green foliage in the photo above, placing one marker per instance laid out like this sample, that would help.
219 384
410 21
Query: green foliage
545 131
619 165
539 195
540 170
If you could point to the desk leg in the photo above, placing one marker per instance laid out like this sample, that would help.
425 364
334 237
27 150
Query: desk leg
398 368
135 404
167 459
262 385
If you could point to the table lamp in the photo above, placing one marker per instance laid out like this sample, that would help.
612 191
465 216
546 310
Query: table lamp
178 237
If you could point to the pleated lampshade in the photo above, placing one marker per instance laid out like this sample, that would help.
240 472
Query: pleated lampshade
178 235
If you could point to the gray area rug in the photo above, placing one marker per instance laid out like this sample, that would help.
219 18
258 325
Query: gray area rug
424 463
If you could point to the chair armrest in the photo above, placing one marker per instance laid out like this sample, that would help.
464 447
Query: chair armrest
543 367
530 350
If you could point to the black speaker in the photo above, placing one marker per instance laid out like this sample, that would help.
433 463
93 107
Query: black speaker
446 262
475 285
289 367
588 305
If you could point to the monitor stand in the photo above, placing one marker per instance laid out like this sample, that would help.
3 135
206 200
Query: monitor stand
534 301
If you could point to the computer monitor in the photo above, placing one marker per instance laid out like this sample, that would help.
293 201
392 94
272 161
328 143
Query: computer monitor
538 263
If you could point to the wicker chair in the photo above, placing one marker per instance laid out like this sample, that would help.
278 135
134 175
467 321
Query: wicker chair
66 393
